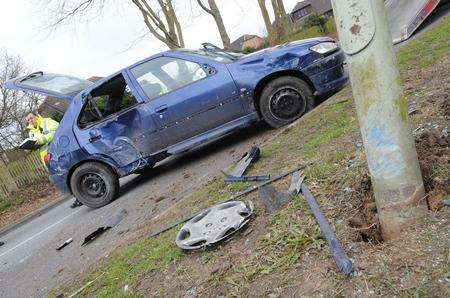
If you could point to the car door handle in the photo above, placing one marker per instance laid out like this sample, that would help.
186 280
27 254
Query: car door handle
161 109
95 138
94 135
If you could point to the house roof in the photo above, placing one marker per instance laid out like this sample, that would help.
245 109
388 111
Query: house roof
238 43
319 6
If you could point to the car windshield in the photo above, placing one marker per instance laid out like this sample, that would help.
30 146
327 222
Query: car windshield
219 56
61 84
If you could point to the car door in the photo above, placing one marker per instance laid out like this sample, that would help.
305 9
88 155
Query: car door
114 123
63 87
188 96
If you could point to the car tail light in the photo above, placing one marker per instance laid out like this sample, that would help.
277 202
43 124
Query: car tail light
47 158
324 48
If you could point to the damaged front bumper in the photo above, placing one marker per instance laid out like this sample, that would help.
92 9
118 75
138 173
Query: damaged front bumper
328 73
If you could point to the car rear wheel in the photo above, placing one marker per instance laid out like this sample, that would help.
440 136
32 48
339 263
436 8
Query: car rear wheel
94 184
284 100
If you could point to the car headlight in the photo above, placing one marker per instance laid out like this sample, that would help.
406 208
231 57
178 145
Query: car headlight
324 48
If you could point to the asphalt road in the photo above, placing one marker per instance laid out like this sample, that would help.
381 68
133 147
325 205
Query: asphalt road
29 263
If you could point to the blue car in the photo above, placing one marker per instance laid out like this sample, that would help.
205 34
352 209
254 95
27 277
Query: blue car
174 101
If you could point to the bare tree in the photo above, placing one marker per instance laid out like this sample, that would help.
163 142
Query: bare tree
166 28
213 10
14 105
159 16
281 27
284 21
269 27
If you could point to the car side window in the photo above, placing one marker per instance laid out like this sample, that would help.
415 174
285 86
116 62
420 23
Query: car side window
109 98
165 74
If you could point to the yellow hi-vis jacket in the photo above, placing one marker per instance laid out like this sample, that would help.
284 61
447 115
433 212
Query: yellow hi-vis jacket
43 131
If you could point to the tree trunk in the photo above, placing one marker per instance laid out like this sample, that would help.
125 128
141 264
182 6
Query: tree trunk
286 19
220 26
271 34
280 19
214 11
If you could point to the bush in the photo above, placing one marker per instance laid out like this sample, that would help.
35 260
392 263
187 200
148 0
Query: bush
318 21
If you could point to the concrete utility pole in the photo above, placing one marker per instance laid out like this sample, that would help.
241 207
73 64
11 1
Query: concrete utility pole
382 112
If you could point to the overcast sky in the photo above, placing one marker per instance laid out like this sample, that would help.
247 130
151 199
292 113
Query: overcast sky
111 41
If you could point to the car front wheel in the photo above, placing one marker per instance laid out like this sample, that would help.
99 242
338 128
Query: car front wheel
284 100
94 184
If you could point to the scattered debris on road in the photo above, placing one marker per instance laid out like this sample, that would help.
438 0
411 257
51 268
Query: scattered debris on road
94 235
230 178
446 203
246 160
214 224
296 183
343 262
272 199
114 221
235 197
67 242
2 243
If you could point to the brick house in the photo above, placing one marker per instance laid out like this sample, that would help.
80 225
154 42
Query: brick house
304 8
247 41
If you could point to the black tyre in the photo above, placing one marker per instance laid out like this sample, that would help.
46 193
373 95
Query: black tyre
94 184
284 100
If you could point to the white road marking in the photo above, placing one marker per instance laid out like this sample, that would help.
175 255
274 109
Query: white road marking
39 233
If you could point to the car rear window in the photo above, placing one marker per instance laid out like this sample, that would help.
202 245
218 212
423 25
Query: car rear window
61 84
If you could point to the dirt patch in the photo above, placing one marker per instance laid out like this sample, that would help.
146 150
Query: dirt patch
434 156
27 200
365 223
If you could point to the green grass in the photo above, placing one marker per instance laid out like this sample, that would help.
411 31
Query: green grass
146 256
5 205
312 32
431 46
283 244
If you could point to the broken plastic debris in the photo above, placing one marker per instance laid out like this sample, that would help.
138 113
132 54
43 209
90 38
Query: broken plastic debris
68 241
114 221
272 199
343 262
296 183
230 178
214 224
247 159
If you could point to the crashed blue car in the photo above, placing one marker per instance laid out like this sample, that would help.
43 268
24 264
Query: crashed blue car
174 101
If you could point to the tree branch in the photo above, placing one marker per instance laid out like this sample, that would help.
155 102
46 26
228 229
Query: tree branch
205 8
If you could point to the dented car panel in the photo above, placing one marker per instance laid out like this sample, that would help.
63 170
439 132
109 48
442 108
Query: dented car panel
172 102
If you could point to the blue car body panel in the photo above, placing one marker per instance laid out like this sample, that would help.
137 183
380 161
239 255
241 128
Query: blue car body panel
218 104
